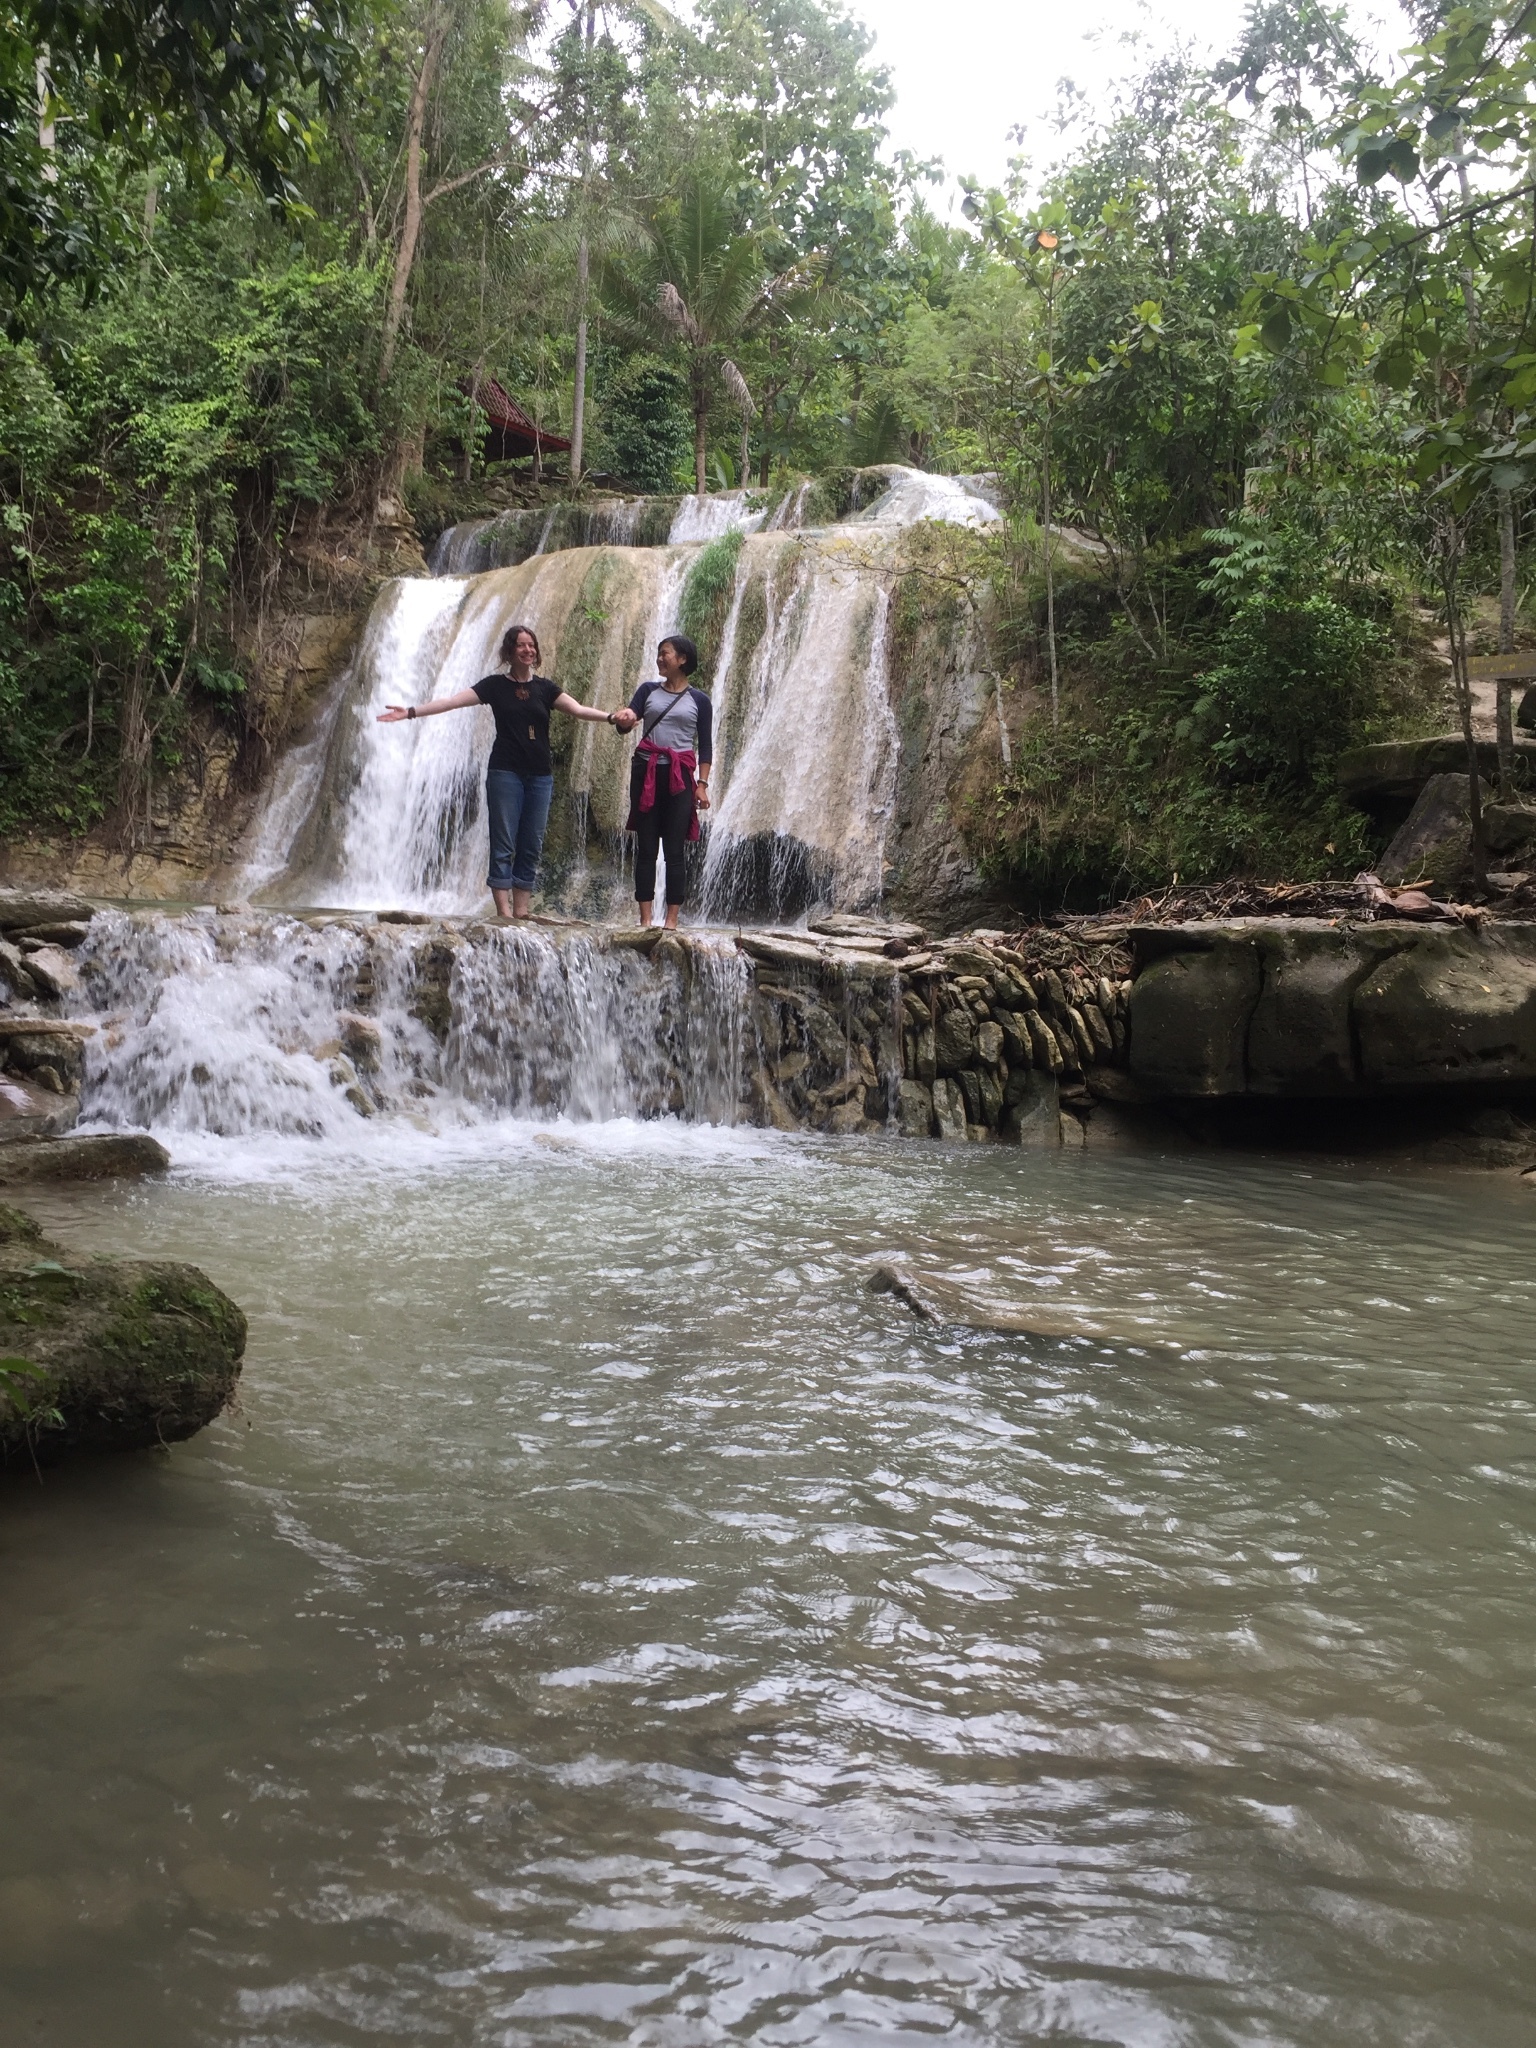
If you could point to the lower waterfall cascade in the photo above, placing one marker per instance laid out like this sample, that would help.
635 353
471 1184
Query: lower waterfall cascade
808 744
265 1025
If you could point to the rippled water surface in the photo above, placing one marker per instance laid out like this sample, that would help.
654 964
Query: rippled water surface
610 1622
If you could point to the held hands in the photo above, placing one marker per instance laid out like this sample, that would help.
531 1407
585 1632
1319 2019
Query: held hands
625 720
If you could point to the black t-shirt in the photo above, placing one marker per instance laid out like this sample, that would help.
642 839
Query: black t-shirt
522 722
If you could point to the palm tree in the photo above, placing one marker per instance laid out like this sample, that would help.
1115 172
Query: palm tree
705 286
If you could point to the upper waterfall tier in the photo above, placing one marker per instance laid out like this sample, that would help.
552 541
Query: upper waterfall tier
889 494
815 779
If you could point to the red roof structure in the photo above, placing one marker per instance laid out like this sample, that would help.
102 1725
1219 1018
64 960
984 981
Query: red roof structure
509 432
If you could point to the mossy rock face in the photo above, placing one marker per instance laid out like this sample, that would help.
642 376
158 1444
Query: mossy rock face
106 1354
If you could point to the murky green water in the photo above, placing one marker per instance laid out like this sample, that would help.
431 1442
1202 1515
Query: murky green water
610 1623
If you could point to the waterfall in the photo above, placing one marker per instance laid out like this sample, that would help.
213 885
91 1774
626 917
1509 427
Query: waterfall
721 512
807 800
807 743
912 495
268 1025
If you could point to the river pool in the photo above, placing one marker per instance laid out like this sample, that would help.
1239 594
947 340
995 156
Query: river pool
607 1621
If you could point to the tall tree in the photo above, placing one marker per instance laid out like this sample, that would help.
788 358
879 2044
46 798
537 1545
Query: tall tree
703 286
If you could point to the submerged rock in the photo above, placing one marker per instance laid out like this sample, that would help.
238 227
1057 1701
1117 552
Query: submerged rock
938 1298
110 1156
106 1354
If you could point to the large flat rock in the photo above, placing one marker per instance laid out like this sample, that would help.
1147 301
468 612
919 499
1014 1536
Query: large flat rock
20 909
111 1155
1385 779
1310 1008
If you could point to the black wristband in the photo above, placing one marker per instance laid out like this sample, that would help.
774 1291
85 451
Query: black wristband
410 711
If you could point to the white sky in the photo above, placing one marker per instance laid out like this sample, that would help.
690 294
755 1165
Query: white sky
966 71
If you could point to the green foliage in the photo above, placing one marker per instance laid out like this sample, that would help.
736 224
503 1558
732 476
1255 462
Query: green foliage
146 470
1220 759
647 433
210 85
24 1388
1297 675
707 599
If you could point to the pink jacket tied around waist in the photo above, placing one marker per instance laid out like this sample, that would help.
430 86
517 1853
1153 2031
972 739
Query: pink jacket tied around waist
682 769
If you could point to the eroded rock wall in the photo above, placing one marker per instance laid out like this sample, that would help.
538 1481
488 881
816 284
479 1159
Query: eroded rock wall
1312 1008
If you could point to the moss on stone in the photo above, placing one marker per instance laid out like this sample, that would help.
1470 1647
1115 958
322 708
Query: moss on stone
706 600
107 1354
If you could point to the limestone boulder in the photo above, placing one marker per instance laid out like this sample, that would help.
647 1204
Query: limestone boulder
1435 841
1312 1009
954 1039
1387 778
1509 828
914 1110
14 978
29 1109
21 909
106 1354
45 1048
1190 1012
1300 1034
111 1155
1031 1110
54 971
1450 1008
948 1109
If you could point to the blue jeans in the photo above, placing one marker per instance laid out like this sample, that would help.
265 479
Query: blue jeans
518 808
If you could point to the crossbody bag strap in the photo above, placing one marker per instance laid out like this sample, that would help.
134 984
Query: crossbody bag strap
671 699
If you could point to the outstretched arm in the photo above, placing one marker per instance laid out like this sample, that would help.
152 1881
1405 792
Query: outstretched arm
566 702
461 700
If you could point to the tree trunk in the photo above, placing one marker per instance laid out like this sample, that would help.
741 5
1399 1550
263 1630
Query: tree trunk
46 140
583 271
1457 631
1045 495
700 426
410 228
151 207
1504 692
579 395
1050 576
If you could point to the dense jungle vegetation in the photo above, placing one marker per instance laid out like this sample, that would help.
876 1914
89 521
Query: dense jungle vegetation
1263 334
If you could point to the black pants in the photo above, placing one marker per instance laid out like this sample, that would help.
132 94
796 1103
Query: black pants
665 826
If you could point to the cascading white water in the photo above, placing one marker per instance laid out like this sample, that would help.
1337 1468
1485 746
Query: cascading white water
406 836
809 797
241 1026
806 748
913 495
593 1034
719 513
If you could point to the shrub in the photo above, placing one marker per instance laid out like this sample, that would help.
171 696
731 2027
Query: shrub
647 427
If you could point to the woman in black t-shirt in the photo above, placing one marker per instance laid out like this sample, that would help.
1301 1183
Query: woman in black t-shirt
520 778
